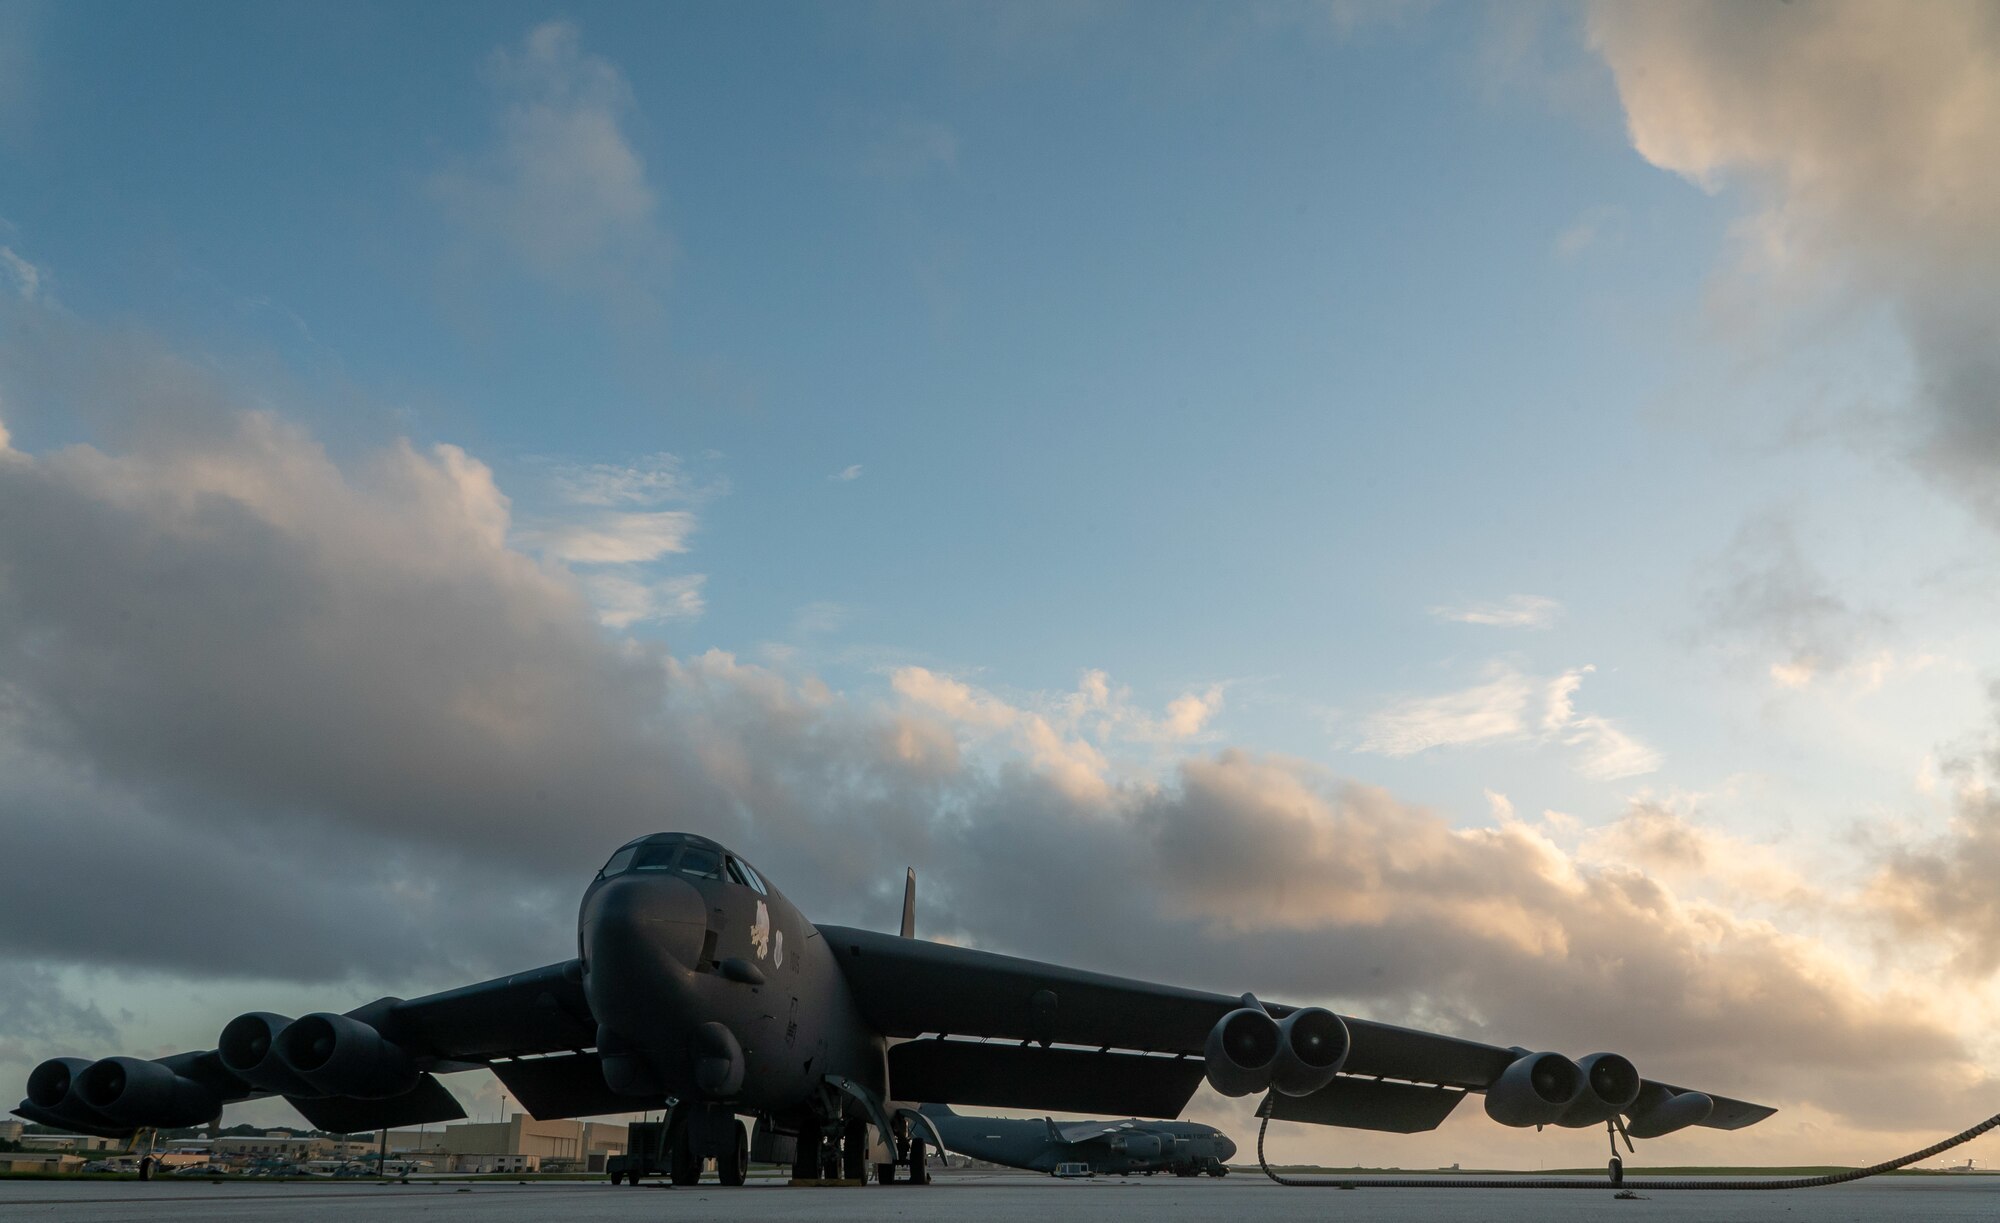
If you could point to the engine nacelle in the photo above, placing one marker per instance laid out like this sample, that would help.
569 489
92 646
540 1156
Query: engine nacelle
1610 1084
52 1089
1312 1047
1241 1050
53 1083
1658 1112
135 1092
1536 1090
339 1055
248 1046
1145 1147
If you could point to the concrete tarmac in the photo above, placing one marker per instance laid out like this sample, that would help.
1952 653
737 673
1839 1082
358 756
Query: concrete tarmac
1001 1197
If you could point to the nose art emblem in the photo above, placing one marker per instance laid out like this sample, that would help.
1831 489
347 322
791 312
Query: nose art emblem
760 931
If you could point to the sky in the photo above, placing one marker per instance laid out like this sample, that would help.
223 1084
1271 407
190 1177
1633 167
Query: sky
1480 516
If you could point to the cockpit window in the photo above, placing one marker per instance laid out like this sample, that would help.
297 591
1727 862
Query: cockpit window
619 862
741 872
701 863
656 857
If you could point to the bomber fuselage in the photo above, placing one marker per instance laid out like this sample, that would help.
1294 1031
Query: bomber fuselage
707 984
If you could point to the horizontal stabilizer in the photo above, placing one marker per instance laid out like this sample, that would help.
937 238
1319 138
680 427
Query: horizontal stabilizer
425 1104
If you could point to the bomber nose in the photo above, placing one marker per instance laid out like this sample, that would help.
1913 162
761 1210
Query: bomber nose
645 916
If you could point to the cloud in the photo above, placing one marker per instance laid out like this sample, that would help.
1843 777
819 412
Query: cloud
1766 601
846 474
1515 611
651 481
1499 711
1865 134
332 706
623 601
563 189
1482 714
1597 226
26 276
614 538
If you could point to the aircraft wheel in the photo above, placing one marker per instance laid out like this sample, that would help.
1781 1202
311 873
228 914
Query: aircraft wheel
806 1164
616 1177
854 1152
920 1173
686 1165
885 1174
732 1167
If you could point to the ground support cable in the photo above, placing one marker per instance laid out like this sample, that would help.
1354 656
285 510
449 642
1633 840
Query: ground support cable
1466 1182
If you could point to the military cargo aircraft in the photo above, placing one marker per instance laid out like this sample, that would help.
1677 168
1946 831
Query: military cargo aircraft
1184 1148
699 988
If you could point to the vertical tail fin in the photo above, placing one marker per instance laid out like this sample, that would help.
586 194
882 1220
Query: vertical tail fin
910 904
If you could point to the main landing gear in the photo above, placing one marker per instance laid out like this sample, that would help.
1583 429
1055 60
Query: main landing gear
1613 1131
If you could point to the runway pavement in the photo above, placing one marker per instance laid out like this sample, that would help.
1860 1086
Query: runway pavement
1000 1197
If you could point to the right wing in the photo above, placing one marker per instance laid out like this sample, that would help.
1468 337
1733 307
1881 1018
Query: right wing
1009 1032
533 1029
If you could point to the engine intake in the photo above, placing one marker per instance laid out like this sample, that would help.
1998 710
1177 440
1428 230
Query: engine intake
1658 1112
1610 1084
1536 1090
248 1046
1242 1047
53 1083
135 1092
339 1055
1312 1047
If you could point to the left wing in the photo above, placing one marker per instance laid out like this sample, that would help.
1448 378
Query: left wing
1016 1033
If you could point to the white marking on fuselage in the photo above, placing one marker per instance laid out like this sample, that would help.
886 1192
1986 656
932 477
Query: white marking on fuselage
760 931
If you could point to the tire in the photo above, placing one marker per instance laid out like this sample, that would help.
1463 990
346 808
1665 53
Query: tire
806 1163
920 1172
732 1167
616 1177
686 1166
854 1152
885 1174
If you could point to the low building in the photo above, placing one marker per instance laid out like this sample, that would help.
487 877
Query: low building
39 1161
10 1130
577 1143
70 1142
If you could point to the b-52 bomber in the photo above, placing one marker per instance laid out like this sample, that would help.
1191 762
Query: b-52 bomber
699 988
1184 1148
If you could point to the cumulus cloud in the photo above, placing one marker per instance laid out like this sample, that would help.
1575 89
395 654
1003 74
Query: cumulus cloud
563 189
1866 134
1515 611
332 708
1510 707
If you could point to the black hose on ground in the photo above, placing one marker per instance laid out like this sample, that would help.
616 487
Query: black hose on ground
1467 1182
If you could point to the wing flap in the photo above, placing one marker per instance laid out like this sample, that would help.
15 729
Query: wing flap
428 1103
570 1085
1031 1077
1371 1104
